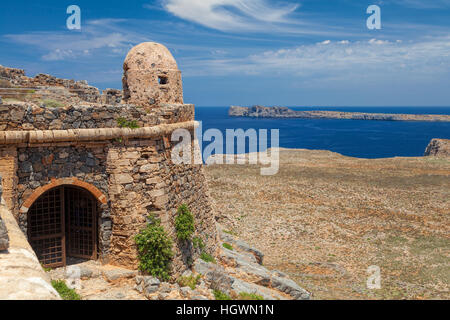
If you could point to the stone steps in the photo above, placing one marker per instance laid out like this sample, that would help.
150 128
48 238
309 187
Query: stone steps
243 265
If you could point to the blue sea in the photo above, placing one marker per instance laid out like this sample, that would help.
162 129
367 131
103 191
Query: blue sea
355 138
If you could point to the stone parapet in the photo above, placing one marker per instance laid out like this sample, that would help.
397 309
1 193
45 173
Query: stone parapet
21 276
4 239
23 116
80 135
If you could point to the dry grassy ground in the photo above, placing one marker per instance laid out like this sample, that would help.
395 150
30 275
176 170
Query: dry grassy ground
325 218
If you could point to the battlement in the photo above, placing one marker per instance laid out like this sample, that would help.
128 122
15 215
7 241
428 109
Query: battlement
29 116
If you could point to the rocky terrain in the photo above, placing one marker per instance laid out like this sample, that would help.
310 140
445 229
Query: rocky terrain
236 272
325 218
438 148
284 112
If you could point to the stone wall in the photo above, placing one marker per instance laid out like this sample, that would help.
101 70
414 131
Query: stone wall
38 166
21 275
13 78
135 175
143 182
4 239
25 116
8 170
112 96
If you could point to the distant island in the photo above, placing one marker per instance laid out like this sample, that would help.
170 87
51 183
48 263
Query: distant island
284 112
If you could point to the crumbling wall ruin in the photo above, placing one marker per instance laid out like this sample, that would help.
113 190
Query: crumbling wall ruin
14 83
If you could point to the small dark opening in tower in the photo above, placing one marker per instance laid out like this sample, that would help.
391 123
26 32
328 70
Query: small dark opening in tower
163 80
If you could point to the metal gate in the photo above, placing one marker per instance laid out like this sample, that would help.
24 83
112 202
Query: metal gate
62 222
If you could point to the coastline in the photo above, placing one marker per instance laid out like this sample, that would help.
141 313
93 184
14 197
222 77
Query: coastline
285 112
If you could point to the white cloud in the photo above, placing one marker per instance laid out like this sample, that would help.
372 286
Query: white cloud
102 34
423 4
338 59
231 15
377 41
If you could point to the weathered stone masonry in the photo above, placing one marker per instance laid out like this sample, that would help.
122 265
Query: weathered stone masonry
129 171
4 238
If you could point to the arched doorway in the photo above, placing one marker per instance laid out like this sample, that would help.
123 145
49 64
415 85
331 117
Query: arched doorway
62 223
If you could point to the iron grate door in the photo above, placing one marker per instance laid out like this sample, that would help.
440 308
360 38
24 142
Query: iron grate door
81 223
63 222
46 228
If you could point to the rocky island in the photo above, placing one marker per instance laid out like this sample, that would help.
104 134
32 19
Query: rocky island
285 112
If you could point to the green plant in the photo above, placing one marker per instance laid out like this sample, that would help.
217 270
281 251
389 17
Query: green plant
249 296
198 243
184 223
207 257
219 295
64 291
227 246
189 281
230 232
124 123
154 250
49 103
45 268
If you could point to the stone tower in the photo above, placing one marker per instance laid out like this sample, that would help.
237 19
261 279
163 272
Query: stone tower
58 162
151 76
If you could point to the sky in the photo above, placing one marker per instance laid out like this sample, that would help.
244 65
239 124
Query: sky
246 52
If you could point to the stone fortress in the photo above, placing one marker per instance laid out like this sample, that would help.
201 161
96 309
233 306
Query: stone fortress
81 172
82 183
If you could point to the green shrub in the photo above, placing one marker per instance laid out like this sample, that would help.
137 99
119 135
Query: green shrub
124 123
219 295
64 291
189 281
198 243
49 103
227 246
184 223
249 296
207 257
154 251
